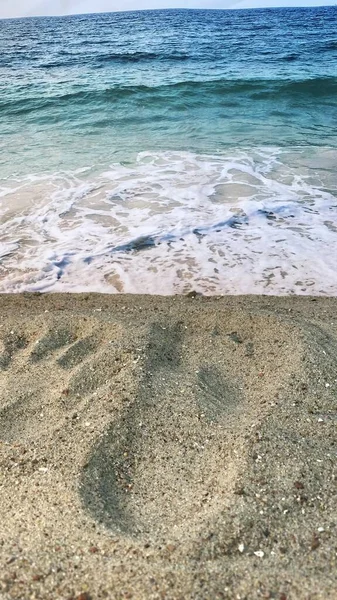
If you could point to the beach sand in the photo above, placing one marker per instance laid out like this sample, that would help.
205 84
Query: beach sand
168 448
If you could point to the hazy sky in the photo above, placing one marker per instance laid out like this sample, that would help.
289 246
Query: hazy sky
21 8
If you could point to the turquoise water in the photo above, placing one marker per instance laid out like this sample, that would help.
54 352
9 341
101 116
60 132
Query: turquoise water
162 151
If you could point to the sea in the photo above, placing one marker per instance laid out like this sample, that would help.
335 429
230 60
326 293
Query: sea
170 151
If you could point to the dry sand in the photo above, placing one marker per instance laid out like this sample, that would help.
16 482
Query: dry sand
168 447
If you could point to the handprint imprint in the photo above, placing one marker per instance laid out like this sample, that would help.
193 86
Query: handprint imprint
55 367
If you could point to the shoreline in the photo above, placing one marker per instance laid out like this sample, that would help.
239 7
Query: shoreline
167 447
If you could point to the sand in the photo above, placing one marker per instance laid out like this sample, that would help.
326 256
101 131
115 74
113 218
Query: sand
168 448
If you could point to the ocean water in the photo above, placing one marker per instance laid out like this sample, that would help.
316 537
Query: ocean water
165 151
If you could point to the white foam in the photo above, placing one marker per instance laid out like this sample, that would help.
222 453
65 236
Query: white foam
254 221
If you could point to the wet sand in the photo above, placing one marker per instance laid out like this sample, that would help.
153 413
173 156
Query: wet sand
168 448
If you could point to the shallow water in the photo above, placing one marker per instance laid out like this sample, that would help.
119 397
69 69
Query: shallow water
160 152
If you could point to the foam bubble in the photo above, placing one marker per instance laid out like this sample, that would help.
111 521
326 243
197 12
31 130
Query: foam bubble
254 221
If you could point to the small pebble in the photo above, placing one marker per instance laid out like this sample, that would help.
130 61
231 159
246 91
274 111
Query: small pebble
299 485
315 543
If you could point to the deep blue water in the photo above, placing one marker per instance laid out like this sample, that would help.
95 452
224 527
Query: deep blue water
158 80
199 147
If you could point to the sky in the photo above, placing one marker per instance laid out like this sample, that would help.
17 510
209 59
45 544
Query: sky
27 8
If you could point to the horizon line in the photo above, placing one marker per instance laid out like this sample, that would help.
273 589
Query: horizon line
142 10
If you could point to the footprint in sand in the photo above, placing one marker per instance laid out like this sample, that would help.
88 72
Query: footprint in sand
171 460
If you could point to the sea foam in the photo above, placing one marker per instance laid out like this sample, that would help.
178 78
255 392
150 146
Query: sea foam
243 221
